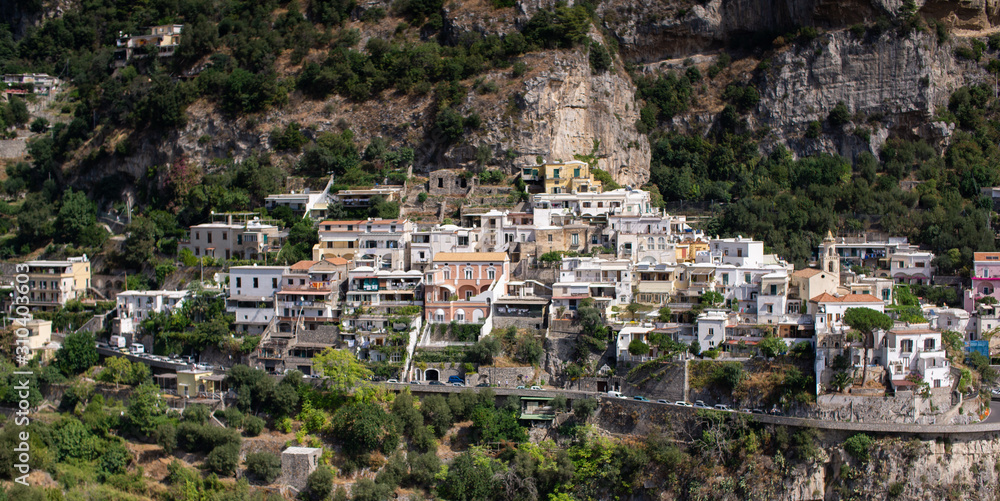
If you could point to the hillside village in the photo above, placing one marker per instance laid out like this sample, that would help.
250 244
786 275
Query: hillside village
415 299
498 250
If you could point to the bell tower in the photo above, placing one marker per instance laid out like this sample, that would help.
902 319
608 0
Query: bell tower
829 260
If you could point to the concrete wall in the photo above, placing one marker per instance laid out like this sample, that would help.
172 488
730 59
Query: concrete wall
502 321
508 376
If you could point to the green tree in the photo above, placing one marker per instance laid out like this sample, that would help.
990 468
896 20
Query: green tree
116 370
470 478
144 407
364 427
113 461
224 459
265 466
638 348
77 353
772 346
343 370
840 115
18 111
665 314
864 322
437 413
840 381
319 484
711 298
77 215
140 245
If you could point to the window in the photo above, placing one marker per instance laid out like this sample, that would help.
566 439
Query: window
576 172
468 295
463 241
290 281
586 205
274 283
555 173
239 282
576 239
440 182
209 237
491 274
197 235
725 279
447 273
550 238
746 277
929 344
774 290
225 236
468 273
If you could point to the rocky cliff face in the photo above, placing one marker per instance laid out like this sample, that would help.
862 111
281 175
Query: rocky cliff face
895 82
568 111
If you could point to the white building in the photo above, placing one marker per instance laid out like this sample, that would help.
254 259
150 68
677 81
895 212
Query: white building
298 203
135 306
911 267
914 351
231 238
379 243
607 282
251 296
711 328
441 238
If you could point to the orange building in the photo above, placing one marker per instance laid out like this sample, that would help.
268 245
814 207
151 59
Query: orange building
461 286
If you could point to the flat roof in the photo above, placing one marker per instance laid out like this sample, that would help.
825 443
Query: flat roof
301 450
470 256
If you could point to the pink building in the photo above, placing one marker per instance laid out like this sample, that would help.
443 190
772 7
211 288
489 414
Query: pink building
985 278
461 286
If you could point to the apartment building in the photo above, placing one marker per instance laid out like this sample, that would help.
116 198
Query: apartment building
913 350
309 294
379 243
985 278
251 296
133 307
424 245
607 282
30 83
52 283
461 287
161 41
569 177
299 203
234 236
911 267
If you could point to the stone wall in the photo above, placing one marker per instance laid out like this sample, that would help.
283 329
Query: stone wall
449 182
664 381
500 322
510 376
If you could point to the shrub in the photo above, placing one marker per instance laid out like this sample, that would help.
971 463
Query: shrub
584 407
600 58
196 413
253 426
839 115
859 446
319 484
422 197
896 489
166 437
223 459
264 465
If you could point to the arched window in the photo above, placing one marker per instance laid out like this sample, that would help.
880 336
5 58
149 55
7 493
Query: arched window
460 315
491 273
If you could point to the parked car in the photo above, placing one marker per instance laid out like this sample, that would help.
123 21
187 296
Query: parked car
701 405
640 398
457 384
682 403
415 382
747 411
756 411
519 387
775 412
483 385
722 407
616 394
536 387
456 379
436 383
391 380
662 401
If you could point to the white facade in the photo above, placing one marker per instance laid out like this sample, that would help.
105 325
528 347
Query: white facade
608 282
135 306
711 329
915 350
441 238
251 296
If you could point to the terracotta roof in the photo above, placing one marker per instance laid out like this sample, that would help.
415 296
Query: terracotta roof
986 256
849 298
904 331
337 260
470 256
302 265
807 272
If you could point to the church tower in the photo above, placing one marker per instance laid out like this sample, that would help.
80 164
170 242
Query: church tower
829 260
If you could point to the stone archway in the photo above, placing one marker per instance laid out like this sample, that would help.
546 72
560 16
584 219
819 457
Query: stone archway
431 375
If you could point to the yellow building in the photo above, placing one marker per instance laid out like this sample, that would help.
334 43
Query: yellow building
52 283
192 383
569 177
